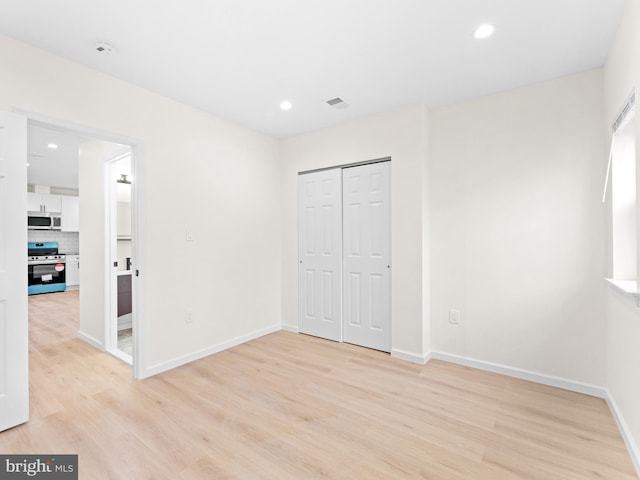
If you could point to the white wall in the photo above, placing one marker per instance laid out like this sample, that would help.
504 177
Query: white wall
401 135
622 74
202 173
92 155
517 240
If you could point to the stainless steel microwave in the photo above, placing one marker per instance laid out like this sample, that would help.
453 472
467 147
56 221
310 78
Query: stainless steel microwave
44 221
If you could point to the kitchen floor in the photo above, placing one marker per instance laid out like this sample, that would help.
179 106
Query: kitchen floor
70 301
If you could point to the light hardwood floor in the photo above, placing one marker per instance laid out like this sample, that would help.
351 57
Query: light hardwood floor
290 406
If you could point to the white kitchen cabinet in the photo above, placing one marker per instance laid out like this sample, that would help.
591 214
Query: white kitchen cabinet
70 214
52 203
34 202
73 270
40 202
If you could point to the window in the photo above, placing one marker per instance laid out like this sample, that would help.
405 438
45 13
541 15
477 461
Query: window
622 169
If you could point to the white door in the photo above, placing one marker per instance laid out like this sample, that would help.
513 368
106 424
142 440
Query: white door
320 254
119 196
14 348
367 254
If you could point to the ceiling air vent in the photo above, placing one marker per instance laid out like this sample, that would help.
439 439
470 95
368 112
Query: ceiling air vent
337 103
104 48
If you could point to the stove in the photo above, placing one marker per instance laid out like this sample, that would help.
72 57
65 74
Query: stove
46 268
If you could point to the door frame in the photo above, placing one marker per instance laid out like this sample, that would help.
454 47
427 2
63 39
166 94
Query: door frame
111 251
137 219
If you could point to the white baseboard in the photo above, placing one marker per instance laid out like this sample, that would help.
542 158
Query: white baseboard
290 328
410 357
179 361
125 357
94 342
629 441
588 389
543 379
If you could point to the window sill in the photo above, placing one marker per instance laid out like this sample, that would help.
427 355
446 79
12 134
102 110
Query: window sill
627 287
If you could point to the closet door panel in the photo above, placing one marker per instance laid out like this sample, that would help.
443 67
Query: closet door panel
367 253
320 254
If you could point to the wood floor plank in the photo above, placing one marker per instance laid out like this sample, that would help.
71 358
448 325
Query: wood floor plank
289 406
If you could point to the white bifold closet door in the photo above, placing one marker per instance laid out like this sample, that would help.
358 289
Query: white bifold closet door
344 245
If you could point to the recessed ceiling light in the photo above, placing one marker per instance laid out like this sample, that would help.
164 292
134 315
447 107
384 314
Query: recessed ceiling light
484 31
52 146
286 105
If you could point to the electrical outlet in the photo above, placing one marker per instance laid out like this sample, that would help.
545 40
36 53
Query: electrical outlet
189 235
188 316
454 316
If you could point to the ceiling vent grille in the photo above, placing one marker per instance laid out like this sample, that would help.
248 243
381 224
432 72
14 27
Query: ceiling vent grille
336 102
104 48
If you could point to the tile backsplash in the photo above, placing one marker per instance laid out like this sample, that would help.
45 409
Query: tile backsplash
69 242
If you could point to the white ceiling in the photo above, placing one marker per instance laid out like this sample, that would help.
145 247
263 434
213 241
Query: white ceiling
240 59
52 167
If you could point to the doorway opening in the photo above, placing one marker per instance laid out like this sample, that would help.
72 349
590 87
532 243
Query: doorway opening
119 320
97 246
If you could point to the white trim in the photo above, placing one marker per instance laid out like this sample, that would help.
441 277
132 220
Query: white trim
632 446
139 256
94 342
541 378
138 219
410 357
120 355
626 287
47 121
287 327
588 389
111 320
110 294
179 361
606 178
